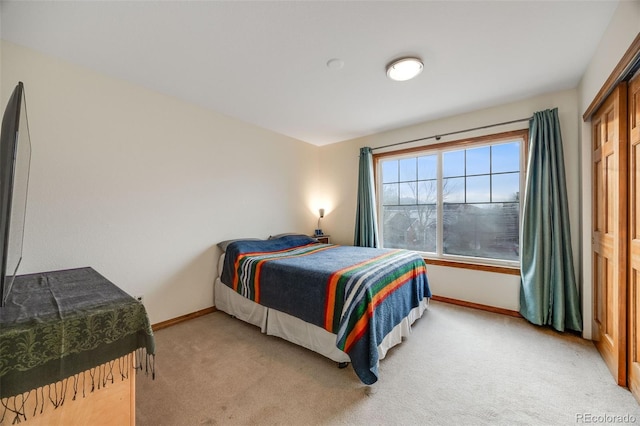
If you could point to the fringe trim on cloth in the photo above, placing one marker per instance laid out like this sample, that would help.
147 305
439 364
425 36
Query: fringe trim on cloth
18 408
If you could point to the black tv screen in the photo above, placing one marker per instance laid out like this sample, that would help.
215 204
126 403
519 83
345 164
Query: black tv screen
15 159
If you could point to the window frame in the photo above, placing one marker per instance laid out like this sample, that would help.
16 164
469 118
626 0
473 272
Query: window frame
438 258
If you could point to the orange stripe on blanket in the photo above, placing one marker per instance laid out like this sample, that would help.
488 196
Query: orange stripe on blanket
333 284
256 285
361 326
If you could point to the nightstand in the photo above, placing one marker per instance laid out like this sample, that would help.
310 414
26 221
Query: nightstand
324 239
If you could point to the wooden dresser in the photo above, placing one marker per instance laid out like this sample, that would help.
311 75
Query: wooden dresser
70 343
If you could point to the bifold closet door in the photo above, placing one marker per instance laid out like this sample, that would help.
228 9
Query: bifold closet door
609 236
634 237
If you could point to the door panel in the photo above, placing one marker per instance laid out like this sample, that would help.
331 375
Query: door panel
609 157
634 238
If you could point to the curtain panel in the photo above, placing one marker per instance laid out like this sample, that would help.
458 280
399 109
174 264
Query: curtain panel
548 293
366 233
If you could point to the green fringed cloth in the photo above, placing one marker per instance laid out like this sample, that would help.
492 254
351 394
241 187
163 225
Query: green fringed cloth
57 326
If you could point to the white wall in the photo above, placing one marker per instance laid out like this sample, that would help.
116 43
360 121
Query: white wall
622 30
339 175
141 186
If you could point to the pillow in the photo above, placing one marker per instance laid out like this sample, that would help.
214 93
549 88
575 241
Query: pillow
286 234
223 244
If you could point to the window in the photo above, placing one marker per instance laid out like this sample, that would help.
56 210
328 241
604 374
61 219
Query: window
457 200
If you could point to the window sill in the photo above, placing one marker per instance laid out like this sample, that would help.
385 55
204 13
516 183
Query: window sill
474 266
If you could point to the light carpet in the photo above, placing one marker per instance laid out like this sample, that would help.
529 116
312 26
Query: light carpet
459 366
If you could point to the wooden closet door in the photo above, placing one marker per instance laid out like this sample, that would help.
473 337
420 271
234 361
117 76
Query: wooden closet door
634 238
609 156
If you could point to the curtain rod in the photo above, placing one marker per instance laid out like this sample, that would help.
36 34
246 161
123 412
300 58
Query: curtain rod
437 137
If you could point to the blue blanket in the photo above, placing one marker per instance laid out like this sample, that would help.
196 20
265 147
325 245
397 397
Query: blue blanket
360 294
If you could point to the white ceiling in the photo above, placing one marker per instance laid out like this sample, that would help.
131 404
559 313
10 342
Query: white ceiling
265 62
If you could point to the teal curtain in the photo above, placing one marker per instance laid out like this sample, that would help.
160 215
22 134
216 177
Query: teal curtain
548 294
366 234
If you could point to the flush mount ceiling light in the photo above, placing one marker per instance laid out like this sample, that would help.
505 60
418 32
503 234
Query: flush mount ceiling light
404 69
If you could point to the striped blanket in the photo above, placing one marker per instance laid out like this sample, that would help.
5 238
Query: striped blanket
360 294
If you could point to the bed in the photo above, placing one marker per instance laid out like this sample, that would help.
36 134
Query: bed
350 304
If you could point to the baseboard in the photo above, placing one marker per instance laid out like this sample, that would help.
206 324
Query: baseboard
477 306
182 318
187 317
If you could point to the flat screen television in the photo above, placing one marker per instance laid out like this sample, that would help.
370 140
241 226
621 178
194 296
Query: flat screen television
15 160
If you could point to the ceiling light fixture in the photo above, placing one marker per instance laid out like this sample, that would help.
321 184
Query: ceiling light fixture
404 69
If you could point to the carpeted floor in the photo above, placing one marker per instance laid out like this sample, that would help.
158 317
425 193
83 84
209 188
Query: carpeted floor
460 366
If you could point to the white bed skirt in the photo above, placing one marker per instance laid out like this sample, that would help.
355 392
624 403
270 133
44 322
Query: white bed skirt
317 339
